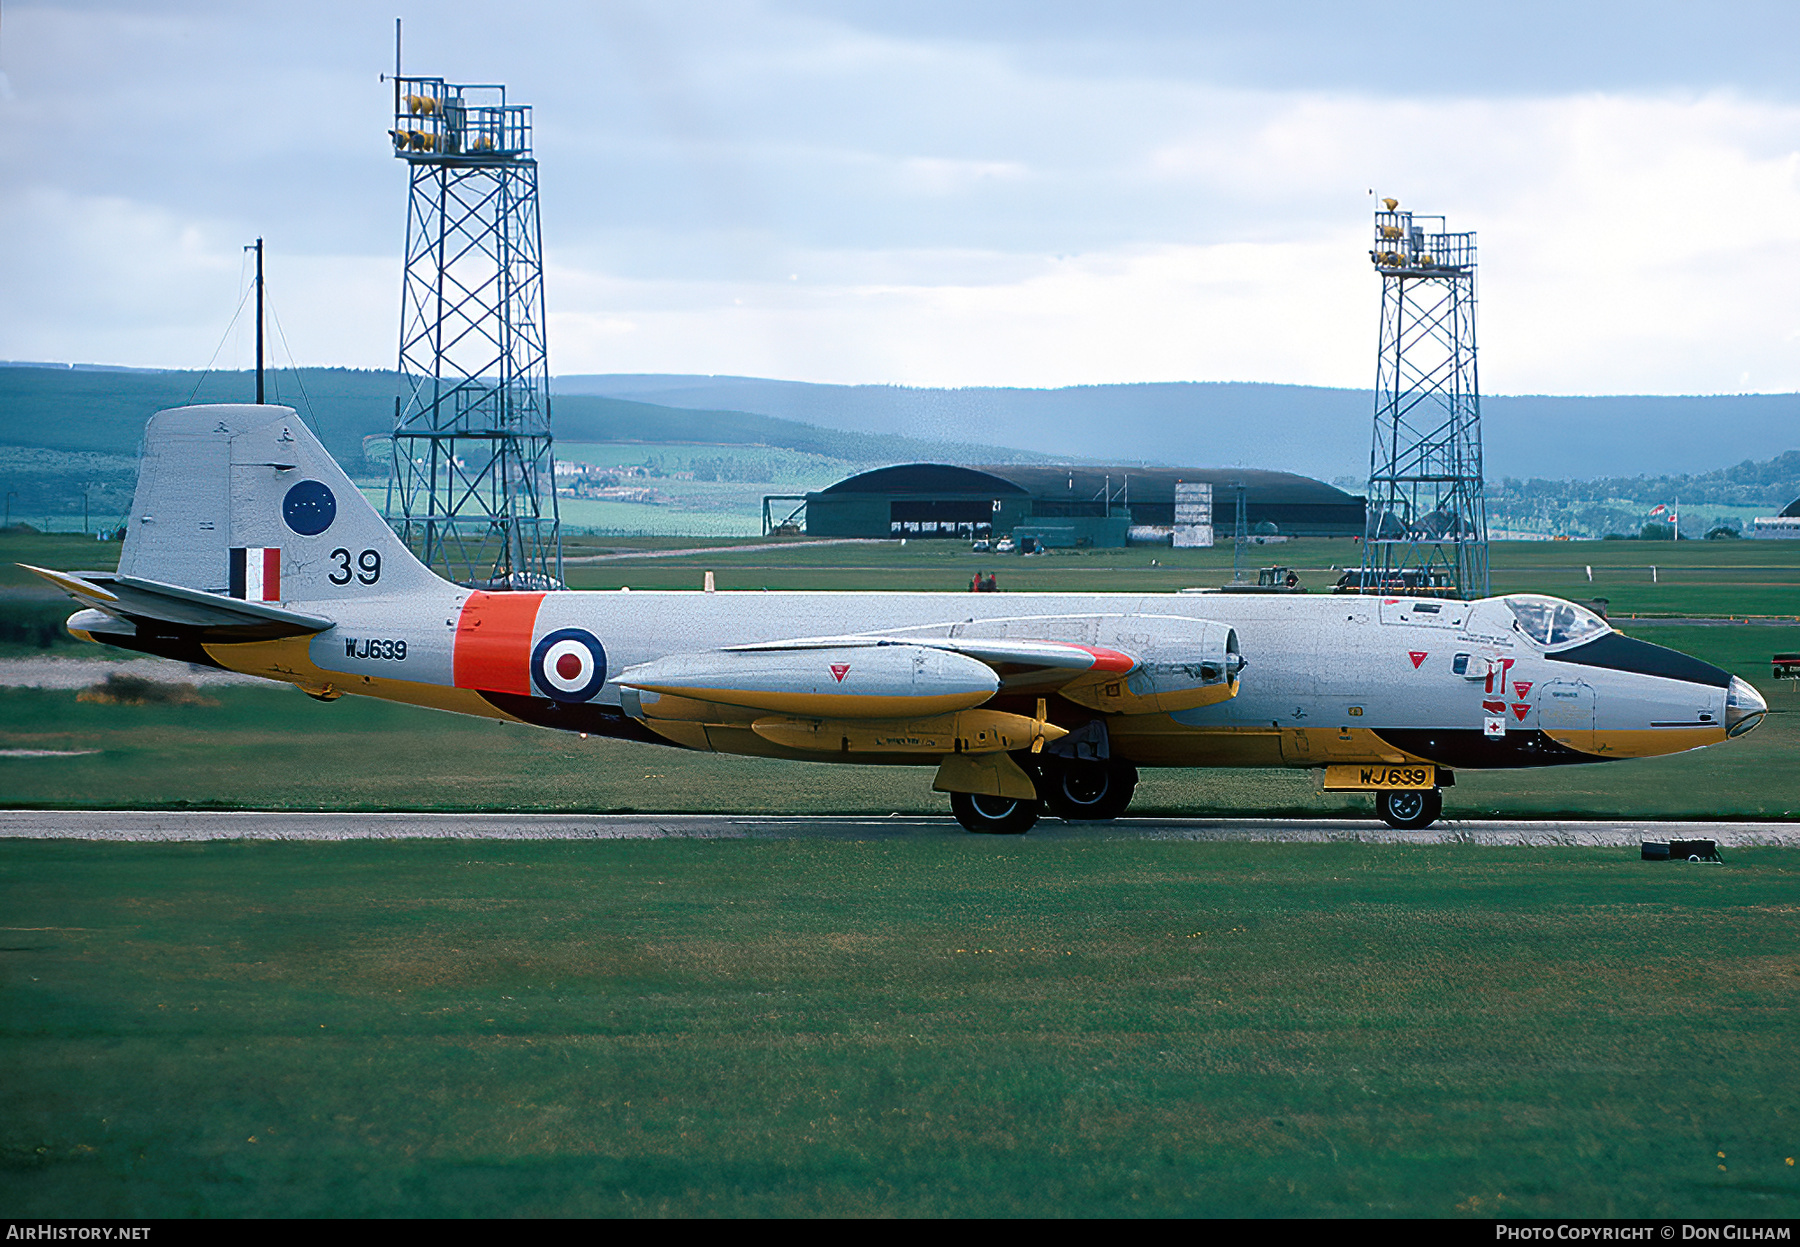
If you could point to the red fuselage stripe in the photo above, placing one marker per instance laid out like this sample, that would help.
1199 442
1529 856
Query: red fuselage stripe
271 578
493 642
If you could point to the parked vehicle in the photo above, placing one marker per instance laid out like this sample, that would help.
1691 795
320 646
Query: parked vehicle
1414 581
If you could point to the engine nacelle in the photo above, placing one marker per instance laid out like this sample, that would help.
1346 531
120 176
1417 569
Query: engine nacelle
1181 664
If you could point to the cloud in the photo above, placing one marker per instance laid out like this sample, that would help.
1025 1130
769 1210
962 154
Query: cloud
959 200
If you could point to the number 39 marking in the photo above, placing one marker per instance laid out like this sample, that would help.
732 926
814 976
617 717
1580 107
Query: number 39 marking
368 567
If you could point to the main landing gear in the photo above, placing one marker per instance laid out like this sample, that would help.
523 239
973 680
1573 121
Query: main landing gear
1409 809
1088 791
1074 791
1001 816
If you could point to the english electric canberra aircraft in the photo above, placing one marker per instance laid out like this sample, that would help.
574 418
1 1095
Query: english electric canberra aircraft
249 549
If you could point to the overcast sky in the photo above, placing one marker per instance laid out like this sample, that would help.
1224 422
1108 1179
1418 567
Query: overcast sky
1030 193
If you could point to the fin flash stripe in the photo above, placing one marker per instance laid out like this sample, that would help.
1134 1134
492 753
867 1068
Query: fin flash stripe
493 642
256 573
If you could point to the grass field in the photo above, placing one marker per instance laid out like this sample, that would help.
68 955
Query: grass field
949 1026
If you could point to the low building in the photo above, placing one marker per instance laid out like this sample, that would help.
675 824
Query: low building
1785 526
1072 506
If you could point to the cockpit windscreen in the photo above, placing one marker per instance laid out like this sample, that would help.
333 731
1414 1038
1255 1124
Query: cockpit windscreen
1552 622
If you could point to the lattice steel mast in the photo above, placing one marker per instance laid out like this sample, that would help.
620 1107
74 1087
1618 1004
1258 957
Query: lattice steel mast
473 485
1427 517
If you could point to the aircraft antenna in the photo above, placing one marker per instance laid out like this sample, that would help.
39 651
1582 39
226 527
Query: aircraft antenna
472 488
1427 513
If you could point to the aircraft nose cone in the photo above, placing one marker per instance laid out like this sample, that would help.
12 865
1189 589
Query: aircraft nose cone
1744 707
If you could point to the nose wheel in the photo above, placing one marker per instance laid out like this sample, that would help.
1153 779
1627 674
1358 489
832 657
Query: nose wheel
1409 809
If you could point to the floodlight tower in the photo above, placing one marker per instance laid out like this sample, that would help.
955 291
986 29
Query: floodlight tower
473 485
1427 517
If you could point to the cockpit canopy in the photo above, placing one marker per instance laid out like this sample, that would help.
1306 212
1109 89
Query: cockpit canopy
1552 622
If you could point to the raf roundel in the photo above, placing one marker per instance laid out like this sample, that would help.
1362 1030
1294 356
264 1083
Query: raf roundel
309 508
569 665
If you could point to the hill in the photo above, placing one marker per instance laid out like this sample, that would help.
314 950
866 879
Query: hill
104 411
1318 431
66 432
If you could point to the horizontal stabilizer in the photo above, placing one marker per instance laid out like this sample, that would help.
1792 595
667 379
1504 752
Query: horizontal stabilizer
219 617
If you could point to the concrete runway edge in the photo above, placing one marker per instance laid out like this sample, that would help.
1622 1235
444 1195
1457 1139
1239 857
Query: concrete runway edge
153 825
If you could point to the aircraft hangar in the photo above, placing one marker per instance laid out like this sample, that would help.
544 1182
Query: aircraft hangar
1086 505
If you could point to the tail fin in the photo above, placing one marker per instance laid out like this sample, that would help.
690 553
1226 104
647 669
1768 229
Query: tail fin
243 500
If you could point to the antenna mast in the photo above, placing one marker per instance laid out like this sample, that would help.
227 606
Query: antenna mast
258 248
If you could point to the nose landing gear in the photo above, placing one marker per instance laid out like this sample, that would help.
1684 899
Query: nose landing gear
1409 809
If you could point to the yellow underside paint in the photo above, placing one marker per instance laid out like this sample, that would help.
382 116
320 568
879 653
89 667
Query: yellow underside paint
1313 746
828 706
289 660
685 733
1640 743
74 586
992 775
1110 693
670 709
1157 740
971 731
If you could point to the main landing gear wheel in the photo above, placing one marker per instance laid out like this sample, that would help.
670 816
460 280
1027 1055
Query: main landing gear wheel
1409 809
1003 816
1089 791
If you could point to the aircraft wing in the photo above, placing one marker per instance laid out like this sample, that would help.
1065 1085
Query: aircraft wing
219 617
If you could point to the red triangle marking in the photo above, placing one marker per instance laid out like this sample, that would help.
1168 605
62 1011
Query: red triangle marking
1418 656
1522 686
1521 708
840 670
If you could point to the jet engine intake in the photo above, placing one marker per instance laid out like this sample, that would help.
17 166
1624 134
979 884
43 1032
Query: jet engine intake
1181 664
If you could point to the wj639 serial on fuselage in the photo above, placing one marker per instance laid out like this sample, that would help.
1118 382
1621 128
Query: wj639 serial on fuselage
249 549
